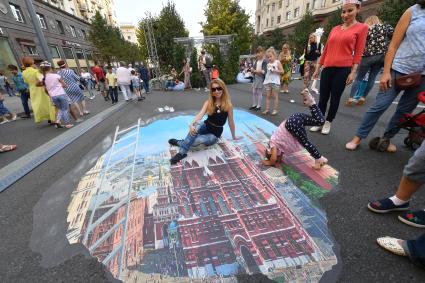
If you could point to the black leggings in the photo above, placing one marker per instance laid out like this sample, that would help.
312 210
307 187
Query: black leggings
332 85
295 125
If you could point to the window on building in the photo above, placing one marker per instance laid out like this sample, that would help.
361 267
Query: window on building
288 15
307 7
296 12
278 20
204 209
60 27
273 7
212 205
222 205
83 32
31 49
186 208
54 51
42 21
272 22
79 53
17 13
129 37
288 2
74 34
314 4
68 53
334 1
267 22
268 8
280 4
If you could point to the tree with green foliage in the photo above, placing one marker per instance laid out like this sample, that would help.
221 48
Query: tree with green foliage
275 38
227 17
195 76
166 27
391 10
303 28
110 43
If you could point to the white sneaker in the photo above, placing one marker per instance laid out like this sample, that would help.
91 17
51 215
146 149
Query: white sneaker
315 129
326 128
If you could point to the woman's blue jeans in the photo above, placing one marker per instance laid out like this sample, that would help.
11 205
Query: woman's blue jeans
371 64
407 103
202 136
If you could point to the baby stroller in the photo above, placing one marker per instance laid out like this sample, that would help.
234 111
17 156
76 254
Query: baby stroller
414 123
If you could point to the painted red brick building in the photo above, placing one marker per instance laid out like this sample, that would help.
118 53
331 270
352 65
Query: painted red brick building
232 219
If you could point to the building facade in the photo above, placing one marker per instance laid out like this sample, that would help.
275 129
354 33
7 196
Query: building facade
272 14
129 31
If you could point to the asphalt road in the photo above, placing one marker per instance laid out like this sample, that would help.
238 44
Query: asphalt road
364 175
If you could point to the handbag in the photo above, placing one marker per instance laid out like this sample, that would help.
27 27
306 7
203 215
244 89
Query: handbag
408 81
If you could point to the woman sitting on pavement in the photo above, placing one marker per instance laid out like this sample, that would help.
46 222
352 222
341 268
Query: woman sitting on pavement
406 55
378 39
219 109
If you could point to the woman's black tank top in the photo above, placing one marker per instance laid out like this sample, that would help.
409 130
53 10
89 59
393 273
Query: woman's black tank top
216 121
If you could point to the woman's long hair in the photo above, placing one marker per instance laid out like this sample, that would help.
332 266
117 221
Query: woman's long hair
372 20
225 98
282 54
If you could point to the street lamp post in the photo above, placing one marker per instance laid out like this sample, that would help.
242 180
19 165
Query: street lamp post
38 31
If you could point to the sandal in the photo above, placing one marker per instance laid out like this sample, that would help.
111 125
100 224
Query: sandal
7 147
274 112
349 103
265 112
392 245
361 101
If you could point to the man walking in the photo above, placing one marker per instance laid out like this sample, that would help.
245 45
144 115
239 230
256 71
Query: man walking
99 75
124 81
205 64
144 75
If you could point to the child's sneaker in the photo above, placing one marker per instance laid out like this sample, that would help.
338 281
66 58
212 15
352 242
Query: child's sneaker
413 218
386 205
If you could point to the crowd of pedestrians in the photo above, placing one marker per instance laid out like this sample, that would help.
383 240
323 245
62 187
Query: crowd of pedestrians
57 95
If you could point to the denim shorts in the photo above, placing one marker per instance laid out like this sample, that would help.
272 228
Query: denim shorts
415 168
271 87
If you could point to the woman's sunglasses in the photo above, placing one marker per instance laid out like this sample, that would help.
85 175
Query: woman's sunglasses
214 89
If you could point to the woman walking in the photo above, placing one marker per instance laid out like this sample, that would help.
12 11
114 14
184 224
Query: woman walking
405 56
340 60
73 89
42 107
219 109
311 52
186 72
285 59
378 39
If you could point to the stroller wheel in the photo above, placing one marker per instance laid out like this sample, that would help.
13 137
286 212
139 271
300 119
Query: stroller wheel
373 144
383 144
407 142
414 145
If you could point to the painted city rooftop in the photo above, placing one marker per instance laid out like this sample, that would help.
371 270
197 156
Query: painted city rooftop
217 214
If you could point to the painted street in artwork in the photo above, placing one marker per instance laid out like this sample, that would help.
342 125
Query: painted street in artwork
217 214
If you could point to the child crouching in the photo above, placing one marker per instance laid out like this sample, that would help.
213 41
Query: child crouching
294 125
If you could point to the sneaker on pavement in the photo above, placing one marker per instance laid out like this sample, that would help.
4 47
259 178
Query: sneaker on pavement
315 128
386 205
326 128
413 218
79 120
176 158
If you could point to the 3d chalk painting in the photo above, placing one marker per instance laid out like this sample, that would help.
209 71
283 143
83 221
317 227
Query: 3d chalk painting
217 214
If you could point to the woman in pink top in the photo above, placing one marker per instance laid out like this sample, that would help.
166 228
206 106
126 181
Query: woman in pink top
340 59
55 88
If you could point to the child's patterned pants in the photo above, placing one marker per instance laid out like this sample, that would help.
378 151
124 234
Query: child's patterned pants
295 125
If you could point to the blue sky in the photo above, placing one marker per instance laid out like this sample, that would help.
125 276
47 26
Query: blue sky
192 11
